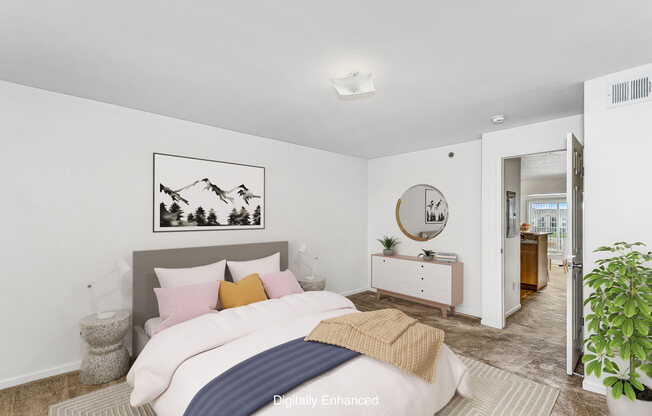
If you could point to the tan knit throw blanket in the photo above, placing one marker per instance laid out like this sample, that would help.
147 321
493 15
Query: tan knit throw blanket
388 335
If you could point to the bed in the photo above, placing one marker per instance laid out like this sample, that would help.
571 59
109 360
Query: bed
173 366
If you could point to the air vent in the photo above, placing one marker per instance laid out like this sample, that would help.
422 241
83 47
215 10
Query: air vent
629 91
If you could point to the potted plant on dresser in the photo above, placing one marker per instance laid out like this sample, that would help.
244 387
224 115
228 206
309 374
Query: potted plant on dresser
388 244
620 327
428 255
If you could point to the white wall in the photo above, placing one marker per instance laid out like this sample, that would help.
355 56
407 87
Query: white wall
512 245
539 186
76 176
459 181
618 147
534 138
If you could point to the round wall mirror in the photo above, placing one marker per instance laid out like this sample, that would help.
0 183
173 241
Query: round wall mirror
422 212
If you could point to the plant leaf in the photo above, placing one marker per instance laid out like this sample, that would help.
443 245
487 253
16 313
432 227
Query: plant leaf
637 384
629 391
618 320
620 300
628 327
609 381
638 351
641 326
630 308
647 369
617 390
625 351
588 357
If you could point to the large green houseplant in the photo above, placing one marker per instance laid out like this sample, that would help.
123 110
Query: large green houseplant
621 319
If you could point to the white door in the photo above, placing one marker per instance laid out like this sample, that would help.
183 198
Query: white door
574 278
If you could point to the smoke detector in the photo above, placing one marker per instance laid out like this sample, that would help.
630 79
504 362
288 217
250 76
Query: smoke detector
498 118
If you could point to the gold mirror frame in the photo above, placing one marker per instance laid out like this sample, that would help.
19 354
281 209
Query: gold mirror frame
398 221
400 225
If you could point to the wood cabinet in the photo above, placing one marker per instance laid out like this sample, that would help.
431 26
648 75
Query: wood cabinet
407 277
534 260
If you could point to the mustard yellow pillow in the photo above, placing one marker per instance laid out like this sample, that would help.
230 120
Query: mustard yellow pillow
248 290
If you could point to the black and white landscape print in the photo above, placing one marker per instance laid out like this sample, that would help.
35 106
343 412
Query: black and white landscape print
197 194
436 207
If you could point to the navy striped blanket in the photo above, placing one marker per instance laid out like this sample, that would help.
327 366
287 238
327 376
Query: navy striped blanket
251 384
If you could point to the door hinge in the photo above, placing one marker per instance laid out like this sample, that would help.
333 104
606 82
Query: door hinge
582 321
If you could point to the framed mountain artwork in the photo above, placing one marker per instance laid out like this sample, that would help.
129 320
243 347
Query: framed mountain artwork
436 207
193 194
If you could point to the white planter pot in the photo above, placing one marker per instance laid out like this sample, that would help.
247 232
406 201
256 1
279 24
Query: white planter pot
626 407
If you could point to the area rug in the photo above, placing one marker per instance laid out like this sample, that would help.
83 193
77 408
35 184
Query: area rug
500 393
110 401
496 393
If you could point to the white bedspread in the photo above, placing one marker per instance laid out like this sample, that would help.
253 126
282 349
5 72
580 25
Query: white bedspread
180 360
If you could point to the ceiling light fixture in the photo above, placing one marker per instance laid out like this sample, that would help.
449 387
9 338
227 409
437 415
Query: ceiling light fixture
498 118
354 84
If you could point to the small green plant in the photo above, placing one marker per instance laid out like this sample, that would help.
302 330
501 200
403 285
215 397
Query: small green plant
427 253
389 242
621 318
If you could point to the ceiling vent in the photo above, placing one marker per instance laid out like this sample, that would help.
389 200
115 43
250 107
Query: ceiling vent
629 91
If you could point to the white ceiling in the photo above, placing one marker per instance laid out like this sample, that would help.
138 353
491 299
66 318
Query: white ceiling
544 165
441 68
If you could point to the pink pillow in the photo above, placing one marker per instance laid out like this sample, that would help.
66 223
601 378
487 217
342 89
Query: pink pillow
182 303
280 284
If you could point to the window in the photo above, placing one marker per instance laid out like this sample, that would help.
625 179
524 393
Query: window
549 216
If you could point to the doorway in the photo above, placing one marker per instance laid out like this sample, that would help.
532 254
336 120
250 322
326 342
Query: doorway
541 260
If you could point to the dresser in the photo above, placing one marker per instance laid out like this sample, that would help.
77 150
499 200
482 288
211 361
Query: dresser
428 282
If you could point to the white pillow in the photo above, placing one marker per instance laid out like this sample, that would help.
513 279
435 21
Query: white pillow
150 326
190 276
241 269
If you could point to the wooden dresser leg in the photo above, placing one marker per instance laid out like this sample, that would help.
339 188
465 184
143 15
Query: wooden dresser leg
443 311
377 295
452 310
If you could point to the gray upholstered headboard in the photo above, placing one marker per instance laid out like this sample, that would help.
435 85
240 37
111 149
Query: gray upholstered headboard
145 305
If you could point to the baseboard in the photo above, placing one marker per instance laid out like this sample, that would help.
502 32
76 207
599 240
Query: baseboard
595 386
514 309
467 312
497 325
37 375
354 291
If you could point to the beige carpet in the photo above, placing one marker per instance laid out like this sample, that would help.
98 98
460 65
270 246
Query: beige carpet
533 345
497 393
